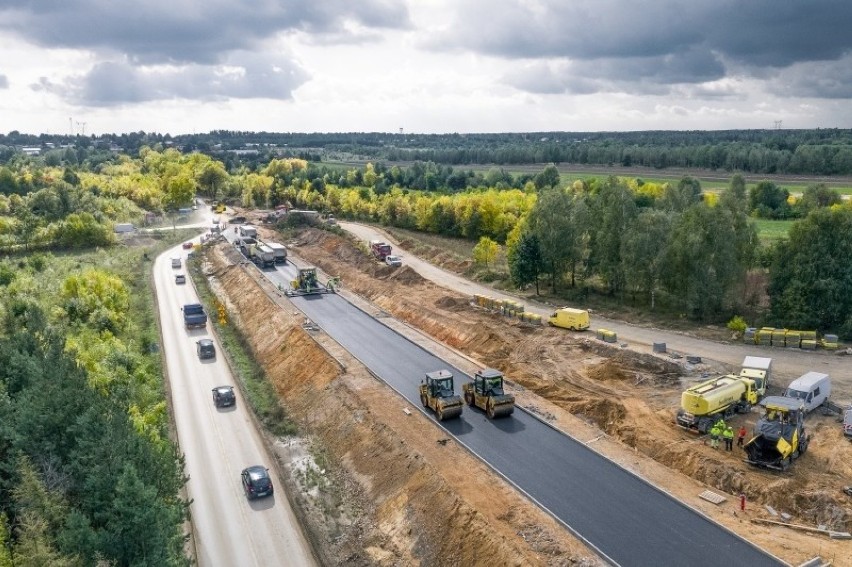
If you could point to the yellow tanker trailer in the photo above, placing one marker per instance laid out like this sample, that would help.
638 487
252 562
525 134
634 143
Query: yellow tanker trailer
703 404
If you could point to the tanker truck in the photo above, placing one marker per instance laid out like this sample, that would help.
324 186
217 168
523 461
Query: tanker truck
703 404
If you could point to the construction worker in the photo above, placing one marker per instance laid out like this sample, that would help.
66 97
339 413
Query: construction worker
728 434
741 436
714 436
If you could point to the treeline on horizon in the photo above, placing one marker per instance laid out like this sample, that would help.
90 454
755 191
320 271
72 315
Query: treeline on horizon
806 152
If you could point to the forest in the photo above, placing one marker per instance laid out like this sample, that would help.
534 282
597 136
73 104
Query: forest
819 152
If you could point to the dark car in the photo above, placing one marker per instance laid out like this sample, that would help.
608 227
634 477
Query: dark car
223 396
180 279
237 220
206 349
256 482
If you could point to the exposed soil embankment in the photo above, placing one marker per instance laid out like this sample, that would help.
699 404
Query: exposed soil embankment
384 487
628 395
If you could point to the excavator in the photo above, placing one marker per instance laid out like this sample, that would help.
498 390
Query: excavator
307 283
486 393
437 393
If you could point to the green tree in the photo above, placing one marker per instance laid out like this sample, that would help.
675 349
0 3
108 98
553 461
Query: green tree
549 177
643 250
817 196
485 251
701 265
612 213
553 222
811 277
212 178
525 261
768 201
5 542
180 190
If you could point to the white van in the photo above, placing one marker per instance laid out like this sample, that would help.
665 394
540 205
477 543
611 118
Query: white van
813 388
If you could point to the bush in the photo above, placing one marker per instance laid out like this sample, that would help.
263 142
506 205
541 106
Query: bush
737 325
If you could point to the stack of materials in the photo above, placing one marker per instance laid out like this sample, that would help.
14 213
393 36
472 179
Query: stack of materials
606 335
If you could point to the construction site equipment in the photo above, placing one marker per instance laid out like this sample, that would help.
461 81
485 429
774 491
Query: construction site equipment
606 336
486 393
779 436
704 404
380 249
759 369
247 231
813 388
279 251
307 283
262 255
438 394
570 318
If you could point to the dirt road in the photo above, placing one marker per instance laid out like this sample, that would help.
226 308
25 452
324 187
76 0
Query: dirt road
788 363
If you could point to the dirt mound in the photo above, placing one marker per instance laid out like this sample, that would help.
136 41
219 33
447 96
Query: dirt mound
405 275
629 395
386 488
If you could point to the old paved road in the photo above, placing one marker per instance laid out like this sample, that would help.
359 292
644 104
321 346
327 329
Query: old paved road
218 444
626 519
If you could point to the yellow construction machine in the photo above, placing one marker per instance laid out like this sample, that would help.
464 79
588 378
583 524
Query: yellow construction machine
779 436
486 393
438 394
307 283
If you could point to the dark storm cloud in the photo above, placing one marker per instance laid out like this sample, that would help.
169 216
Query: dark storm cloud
616 43
198 31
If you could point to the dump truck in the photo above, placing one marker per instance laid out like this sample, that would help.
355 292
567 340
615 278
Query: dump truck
247 231
438 394
279 251
705 403
779 435
380 249
262 255
194 316
569 318
486 393
307 283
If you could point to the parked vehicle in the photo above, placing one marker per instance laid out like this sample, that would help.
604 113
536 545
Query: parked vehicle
256 482
187 245
223 396
813 388
380 250
176 263
205 349
194 316
569 318
705 403
180 279
393 261
237 220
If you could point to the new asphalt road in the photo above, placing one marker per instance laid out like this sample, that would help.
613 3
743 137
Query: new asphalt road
626 519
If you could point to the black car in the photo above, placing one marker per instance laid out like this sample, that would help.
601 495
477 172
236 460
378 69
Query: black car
205 348
223 396
256 482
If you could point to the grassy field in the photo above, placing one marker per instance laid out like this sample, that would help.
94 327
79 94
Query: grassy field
772 230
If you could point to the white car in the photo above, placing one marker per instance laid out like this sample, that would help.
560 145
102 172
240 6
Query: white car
394 261
176 263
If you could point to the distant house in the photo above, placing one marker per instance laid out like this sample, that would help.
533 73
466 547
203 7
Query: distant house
31 150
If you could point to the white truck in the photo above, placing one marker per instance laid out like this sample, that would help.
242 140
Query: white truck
279 251
247 231
759 369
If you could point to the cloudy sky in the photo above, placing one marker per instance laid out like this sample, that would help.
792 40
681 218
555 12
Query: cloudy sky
426 66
